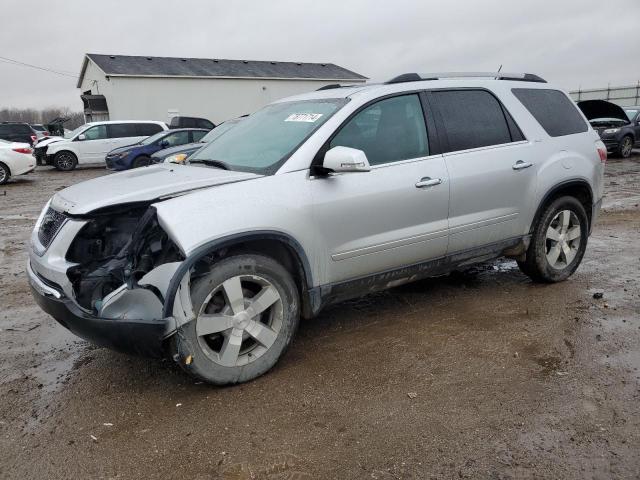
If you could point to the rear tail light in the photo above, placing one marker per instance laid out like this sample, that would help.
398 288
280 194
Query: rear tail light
45 133
602 151
23 150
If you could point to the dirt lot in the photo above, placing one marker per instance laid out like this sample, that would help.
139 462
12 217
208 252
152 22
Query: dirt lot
481 375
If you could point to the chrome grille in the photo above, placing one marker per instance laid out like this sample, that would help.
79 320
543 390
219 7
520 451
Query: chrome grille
50 225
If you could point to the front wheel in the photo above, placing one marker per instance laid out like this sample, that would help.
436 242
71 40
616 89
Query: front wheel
247 311
141 161
65 161
558 242
626 147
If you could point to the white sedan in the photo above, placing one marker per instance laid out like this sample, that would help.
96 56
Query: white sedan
15 159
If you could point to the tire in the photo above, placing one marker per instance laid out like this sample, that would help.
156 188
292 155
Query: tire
561 216
5 174
65 161
141 161
205 347
626 147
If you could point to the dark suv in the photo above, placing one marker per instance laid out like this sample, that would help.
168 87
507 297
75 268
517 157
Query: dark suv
18 132
617 129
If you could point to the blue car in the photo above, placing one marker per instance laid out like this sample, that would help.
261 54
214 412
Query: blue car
139 154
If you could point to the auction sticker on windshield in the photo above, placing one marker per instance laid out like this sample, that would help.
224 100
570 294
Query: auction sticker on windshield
303 117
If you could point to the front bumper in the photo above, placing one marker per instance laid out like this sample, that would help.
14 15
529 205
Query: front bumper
117 163
135 336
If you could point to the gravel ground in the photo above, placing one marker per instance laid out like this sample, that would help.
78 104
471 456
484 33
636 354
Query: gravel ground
480 374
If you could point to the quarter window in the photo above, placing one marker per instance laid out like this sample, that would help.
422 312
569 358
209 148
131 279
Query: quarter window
390 130
99 132
472 119
553 110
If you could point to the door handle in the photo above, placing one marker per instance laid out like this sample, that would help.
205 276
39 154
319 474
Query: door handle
519 165
426 182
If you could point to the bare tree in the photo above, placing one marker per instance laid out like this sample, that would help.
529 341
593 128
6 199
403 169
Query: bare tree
46 115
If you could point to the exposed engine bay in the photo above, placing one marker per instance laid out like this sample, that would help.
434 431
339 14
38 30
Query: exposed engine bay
118 247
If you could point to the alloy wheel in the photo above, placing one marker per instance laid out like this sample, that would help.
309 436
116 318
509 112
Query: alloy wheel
65 161
563 239
627 146
3 175
239 320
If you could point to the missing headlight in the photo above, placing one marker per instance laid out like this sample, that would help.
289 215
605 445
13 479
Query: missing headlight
115 248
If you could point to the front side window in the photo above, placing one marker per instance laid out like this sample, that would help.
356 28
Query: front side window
471 119
553 110
262 142
177 138
99 132
390 130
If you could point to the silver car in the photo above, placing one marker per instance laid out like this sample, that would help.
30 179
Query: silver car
312 200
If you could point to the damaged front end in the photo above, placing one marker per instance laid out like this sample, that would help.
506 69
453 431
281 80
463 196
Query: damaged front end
120 263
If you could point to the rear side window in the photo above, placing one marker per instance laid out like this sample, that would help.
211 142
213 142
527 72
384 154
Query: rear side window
390 130
473 119
147 129
122 130
553 110
197 135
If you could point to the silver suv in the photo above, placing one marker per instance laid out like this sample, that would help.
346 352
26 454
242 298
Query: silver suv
315 199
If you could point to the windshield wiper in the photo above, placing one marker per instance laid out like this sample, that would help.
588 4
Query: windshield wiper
212 163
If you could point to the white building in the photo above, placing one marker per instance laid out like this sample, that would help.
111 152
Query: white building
118 87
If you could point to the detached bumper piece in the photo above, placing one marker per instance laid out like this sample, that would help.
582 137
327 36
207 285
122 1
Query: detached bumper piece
138 337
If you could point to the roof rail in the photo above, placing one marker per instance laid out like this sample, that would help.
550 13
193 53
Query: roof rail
329 87
415 77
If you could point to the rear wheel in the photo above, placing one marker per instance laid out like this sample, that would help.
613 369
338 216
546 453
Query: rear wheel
141 161
247 311
65 161
558 242
5 174
626 147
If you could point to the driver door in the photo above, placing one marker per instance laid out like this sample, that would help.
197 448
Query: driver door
95 146
393 216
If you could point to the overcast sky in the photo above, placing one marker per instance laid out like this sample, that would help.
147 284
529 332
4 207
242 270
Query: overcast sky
573 43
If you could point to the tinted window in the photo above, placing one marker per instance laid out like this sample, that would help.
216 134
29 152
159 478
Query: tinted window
387 131
202 123
146 129
472 119
98 132
553 110
177 138
121 130
197 136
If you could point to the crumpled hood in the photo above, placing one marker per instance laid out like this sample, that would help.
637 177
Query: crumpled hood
141 184
593 109
48 141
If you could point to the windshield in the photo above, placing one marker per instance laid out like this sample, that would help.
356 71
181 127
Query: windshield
219 130
262 142
631 113
74 132
153 138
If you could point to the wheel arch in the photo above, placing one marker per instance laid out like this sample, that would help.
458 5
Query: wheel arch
278 245
578 188
7 167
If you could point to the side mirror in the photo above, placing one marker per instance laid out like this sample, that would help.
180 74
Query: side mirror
82 137
345 159
164 144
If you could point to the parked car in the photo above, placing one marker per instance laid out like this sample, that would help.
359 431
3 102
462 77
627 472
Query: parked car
41 130
18 132
91 142
139 154
315 199
190 122
612 123
15 159
181 152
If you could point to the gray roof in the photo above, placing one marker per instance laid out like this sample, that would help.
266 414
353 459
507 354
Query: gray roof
135 66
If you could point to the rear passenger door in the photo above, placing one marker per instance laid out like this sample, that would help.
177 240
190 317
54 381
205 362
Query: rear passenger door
394 215
491 167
